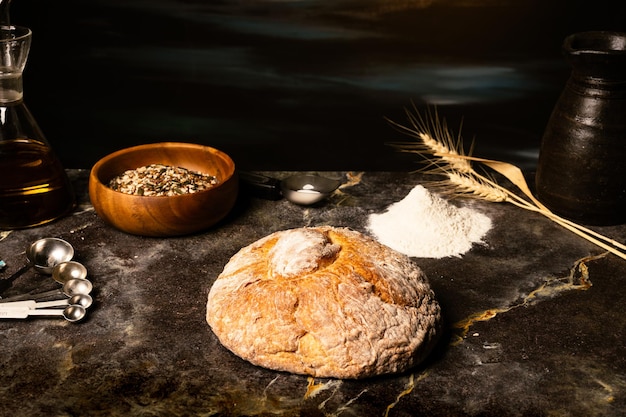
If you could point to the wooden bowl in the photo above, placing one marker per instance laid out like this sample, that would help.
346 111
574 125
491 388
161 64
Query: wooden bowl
162 216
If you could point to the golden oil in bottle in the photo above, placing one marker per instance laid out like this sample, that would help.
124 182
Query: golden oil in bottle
34 188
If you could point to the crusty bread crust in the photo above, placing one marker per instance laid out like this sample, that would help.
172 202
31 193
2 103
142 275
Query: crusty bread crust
326 302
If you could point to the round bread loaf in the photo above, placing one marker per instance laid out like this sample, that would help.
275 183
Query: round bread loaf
326 302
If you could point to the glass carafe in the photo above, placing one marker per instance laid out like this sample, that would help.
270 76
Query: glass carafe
34 187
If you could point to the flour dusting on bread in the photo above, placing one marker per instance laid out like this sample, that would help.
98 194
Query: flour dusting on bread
300 251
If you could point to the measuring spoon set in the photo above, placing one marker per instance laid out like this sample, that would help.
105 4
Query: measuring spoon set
52 256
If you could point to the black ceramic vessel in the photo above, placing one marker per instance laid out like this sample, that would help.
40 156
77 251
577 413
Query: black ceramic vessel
581 174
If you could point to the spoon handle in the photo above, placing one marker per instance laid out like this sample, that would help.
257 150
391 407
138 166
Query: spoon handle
32 304
23 297
17 313
18 304
260 185
53 303
46 312
14 313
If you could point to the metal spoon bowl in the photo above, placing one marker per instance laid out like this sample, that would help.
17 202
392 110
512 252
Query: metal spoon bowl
74 312
65 271
83 300
308 189
76 286
46 253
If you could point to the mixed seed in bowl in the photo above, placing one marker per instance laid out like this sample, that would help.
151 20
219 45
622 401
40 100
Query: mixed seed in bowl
162 180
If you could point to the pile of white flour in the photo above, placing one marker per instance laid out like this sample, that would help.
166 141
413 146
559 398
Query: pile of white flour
425 225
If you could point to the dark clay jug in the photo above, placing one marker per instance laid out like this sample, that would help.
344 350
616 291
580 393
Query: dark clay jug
581 174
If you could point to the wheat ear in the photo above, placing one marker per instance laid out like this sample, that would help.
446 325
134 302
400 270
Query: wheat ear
444 155
433 138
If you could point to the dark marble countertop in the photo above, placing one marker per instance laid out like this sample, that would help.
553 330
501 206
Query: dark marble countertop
536 322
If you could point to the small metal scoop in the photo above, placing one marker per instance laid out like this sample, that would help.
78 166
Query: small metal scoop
47 253
303 189
307 189
43 255
70 288
68 270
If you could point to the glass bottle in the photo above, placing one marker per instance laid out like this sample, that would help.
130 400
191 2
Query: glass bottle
34 187
581 172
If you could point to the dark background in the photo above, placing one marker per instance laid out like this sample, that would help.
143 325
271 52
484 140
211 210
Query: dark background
298 85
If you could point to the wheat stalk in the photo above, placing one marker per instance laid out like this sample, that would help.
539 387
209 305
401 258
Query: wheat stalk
444 155
435 139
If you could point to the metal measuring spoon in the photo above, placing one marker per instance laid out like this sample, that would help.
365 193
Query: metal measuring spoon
70 288
65 271
83 300
303 189
47 253
70 313
43 255
308 189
